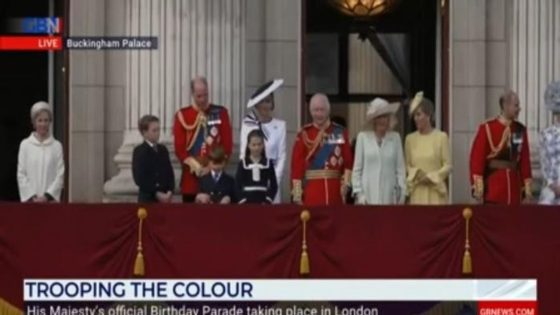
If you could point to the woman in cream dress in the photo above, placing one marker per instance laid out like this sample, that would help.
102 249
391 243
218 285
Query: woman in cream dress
427 157
40 170
378 176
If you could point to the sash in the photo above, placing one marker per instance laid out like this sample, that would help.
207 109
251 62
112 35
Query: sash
198 141
324 153
209 128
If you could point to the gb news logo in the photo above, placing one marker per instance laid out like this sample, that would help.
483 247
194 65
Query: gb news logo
36 25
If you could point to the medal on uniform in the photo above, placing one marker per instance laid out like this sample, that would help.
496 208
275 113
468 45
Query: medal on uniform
214 131
337 151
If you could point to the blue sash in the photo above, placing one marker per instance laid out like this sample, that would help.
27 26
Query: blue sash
213 119
198 141
324 153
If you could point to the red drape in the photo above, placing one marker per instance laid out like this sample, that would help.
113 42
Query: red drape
183 241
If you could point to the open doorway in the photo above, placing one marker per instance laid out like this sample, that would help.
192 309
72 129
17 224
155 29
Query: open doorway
353 60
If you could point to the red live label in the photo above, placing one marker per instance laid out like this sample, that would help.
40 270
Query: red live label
507 308
30 43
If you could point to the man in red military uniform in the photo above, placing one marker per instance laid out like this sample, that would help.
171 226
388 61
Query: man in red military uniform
197 129
500 167
321 159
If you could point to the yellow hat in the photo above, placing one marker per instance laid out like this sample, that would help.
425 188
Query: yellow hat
418 98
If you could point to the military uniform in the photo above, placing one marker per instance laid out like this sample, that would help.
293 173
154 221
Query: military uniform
195 133
321 165
500 163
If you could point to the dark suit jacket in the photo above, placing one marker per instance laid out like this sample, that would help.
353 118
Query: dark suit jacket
224 187
152 171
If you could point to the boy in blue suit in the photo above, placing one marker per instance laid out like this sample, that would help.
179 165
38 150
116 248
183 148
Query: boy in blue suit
216 187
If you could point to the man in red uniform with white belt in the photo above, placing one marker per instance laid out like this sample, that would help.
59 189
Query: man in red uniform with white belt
321 159
500 166
197 129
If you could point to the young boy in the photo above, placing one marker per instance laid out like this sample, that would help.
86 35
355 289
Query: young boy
216 186
151 166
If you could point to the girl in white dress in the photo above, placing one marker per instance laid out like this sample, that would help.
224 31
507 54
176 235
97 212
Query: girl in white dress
261 106
40 170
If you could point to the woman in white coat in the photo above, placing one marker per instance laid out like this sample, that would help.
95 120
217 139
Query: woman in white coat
261 106
40 170
378 176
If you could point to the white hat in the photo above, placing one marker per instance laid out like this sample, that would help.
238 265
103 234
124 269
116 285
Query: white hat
379 107
263 91
552 97
40 106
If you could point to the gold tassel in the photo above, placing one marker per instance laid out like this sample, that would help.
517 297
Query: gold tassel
304 260
139 266
8 309
467 259
139 269
467 263
304 263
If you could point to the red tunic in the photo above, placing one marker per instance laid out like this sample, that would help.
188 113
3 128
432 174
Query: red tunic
498 142
195 132
321 162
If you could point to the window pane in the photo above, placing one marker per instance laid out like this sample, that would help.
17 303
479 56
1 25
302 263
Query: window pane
321 63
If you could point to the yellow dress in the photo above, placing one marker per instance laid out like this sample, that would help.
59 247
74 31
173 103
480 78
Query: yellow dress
428 165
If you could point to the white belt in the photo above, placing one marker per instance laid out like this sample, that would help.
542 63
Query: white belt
254 188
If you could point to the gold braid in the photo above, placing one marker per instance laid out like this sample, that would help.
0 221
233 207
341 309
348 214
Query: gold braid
312 145
198 122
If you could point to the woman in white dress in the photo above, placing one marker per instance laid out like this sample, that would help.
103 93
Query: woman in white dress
261 106
40 170
378 176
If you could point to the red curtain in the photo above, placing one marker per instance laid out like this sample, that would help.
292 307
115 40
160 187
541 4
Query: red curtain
183 241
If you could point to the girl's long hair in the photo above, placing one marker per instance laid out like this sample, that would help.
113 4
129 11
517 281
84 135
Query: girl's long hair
256 133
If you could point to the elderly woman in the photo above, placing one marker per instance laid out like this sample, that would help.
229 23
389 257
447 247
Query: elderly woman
40 171
378 176
550 149
427 156
261 106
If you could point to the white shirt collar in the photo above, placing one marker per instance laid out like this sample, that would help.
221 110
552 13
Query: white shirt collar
216 174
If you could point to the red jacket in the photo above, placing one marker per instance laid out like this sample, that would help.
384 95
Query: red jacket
499 143
195 133
321 163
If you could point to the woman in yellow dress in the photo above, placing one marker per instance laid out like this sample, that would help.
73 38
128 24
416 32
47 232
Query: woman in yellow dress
427 157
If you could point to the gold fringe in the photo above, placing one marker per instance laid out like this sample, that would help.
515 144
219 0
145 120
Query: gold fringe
297 190
8 309
139 265
304 268
467 259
